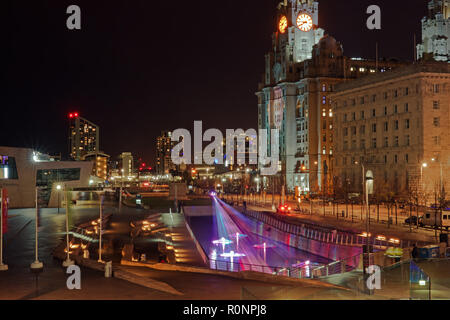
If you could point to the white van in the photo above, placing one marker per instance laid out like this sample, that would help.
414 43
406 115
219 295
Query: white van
433 218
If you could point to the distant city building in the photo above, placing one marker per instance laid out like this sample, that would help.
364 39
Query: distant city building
164 147
100 161
397 125
84 136
127 164
22 170
436 32
294 97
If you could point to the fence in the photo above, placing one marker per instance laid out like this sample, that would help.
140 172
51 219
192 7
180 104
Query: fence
291 272
323 234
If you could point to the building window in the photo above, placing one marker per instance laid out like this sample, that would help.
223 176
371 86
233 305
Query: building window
45 178
385 160
374 127
345 145
353 116
406 107
407 124
362 130
436 88
353 130
396 124
386 142
407 140
345 117
437 122
385 111
324 87
437 140
406 158
345 132
374 113
362 115
363 144
406 91
374 143
374 98
436 105
395 158
396 141
362 100
395 109
386 126
395 93
8 168
324 100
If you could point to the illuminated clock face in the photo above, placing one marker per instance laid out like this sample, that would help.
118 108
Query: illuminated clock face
304 22
283 24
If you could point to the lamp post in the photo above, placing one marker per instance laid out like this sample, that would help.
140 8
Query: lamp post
58 188
441 185
67 262
36 265
120 195
3 267
424 165
101 230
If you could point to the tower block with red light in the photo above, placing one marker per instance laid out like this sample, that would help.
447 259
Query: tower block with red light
84 136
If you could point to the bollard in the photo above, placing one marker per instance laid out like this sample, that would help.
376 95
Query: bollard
108 269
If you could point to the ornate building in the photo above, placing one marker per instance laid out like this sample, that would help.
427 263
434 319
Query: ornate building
436 32
397 125
301 71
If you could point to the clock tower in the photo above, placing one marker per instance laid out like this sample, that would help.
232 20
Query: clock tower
293 40
436 32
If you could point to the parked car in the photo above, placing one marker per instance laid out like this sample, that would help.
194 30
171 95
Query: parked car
285 209
413 220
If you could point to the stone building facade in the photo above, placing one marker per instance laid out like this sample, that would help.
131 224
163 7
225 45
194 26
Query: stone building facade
397 124
294 98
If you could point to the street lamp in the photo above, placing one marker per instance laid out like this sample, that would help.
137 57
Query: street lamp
440 173
58 188
424 165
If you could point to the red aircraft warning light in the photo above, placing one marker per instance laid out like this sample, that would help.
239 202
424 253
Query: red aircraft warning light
73 115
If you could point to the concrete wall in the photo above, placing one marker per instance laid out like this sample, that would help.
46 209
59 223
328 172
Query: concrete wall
22 192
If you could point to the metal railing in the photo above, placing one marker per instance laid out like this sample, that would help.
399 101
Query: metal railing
324 235
291 272
337 267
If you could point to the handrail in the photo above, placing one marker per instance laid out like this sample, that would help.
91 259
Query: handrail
310 233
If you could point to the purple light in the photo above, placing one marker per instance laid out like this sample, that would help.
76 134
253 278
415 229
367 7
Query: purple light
232 255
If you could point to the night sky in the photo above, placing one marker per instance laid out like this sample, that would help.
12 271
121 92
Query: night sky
139 67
